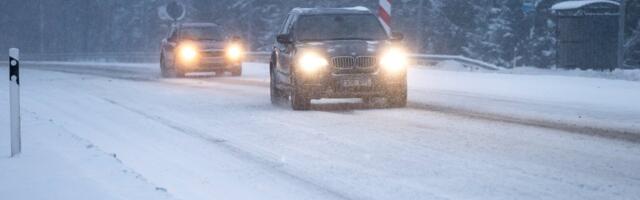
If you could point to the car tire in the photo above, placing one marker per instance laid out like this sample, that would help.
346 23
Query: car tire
163 68
398 99
277 95
219 72
299 99
368 100
170 71
179 73
237 71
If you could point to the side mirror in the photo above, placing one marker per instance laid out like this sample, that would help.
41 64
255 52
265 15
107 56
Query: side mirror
284 39
397 36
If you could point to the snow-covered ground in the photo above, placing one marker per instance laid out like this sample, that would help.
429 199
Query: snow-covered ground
549 98
617 74
465 135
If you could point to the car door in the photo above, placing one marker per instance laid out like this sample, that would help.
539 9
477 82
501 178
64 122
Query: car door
284 53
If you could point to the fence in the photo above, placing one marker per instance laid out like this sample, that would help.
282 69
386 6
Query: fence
425 59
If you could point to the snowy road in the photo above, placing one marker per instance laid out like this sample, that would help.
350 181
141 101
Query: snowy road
464 136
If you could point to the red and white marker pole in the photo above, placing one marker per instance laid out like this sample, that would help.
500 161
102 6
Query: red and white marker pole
14 100
384 13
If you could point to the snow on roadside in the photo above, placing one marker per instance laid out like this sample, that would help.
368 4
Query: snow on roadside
617 74
91 63
55 164
581 101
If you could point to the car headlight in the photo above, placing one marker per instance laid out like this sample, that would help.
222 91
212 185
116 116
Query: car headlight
234 52
188 52
312 62
394 60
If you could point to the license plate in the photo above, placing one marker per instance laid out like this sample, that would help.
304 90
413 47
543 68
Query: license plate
357 83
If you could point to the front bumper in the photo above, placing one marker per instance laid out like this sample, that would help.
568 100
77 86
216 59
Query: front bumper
340 85
210 64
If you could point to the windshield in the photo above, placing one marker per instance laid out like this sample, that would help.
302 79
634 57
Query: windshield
202 33
339 27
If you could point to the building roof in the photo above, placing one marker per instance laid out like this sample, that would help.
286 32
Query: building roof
576 4
346 10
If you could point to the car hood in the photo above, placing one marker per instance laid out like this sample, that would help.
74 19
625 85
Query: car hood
345 47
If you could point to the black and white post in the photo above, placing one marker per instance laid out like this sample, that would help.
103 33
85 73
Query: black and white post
14 102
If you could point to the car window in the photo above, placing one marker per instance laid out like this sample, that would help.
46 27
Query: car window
202 33
339 27
292 21
283 28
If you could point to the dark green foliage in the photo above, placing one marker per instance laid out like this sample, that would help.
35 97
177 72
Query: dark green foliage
495 31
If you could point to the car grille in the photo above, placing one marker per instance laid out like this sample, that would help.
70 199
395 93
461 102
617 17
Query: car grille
348 64
212 53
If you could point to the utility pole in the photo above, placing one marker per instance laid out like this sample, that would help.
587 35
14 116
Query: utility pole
621 29
420 35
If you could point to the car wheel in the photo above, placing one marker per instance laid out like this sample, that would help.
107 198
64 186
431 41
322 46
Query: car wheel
368 100
299 99
398 99
277 96
237 71
177 73
163 68
219 72
170 71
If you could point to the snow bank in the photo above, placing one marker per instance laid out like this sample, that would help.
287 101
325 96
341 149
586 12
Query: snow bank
617 74
93 64
569 99
56 164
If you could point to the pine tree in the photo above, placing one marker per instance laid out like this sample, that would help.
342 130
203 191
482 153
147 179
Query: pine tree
633 47
454 28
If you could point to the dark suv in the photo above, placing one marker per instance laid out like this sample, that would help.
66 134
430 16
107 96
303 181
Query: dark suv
193 47
337 53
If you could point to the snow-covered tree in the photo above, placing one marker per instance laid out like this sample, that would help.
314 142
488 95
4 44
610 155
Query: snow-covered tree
491 30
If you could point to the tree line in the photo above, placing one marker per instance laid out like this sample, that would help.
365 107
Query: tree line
497 31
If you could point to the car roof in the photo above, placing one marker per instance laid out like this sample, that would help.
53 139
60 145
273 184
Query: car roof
197 24
319 11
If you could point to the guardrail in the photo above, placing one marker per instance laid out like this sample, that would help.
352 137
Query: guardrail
432 59
425 59
96 57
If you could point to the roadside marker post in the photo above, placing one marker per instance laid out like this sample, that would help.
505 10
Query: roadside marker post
14 100
384 13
